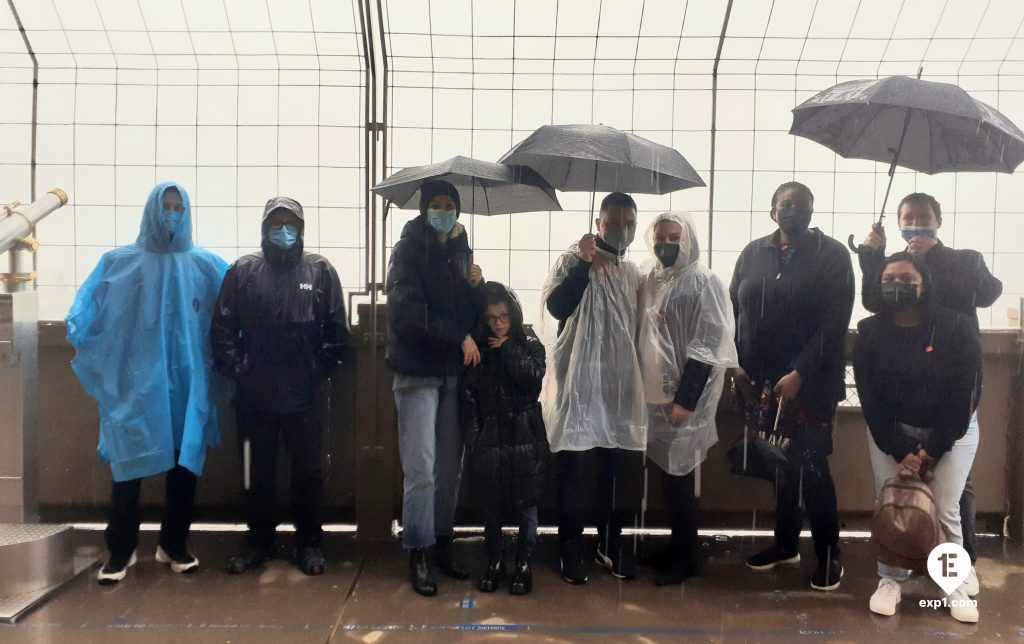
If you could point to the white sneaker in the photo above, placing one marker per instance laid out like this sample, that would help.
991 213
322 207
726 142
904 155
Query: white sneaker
963 608
886 597
971 585
115 569
183 563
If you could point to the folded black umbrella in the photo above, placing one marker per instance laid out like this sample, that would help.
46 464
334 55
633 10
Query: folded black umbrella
761 452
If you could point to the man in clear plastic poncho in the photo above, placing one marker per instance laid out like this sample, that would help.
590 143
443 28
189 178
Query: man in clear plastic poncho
685 345
140 328
593 396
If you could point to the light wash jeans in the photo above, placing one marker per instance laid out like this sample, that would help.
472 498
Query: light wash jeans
950 475
430 445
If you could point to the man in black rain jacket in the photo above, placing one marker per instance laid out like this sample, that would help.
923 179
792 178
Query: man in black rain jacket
279 330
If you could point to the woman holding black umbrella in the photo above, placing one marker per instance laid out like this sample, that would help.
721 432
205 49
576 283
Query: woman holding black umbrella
431 314
792 293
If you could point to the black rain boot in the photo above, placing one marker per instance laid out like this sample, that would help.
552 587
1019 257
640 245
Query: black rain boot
444 558
522 576
492 576
420 574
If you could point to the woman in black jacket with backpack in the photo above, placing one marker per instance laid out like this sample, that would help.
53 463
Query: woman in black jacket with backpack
917 367
504 433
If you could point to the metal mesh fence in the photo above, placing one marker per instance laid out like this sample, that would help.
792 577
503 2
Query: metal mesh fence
242 99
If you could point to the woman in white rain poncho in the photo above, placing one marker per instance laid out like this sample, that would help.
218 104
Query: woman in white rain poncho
592 398
685 346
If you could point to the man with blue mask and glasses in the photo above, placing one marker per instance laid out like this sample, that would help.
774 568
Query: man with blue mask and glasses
279 330
139 327
962 282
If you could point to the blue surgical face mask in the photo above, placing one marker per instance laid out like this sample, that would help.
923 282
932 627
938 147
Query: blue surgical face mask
441 220
909 232
284 236
169 219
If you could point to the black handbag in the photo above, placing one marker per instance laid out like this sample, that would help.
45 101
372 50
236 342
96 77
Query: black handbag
762 451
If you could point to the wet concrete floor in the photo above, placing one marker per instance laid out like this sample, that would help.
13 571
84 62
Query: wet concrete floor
365 597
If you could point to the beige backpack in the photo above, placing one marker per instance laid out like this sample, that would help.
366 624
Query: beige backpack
906 527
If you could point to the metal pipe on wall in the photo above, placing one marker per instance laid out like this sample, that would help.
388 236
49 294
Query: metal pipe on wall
714 130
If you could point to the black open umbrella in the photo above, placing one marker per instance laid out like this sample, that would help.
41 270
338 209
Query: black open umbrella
922 125
588 158
485 188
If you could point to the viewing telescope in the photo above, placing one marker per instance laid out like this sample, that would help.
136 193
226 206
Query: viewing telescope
16 225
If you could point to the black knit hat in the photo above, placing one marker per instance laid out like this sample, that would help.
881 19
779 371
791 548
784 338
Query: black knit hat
431 189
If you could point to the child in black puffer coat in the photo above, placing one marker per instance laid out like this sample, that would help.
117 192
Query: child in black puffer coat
504 433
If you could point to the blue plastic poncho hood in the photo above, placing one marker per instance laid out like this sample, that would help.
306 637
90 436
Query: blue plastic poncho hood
140 328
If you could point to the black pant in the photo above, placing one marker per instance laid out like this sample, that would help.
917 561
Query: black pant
809 477
303 436
681 509
619 491
122 531
968 519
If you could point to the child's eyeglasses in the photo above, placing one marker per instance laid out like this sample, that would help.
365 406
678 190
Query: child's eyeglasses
497 319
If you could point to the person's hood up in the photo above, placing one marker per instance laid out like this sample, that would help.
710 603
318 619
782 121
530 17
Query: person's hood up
288 204
270 250
153 236
496 293
689 238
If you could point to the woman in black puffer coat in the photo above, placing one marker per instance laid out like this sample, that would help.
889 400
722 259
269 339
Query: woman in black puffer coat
504 431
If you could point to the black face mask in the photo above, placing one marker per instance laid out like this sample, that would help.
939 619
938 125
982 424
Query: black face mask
794 221
667 254
899 296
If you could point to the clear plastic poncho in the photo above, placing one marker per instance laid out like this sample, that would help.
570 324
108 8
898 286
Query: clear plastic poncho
592 394
685 313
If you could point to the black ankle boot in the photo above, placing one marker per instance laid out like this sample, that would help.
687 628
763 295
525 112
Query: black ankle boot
444 559
492 576
420 574
522 577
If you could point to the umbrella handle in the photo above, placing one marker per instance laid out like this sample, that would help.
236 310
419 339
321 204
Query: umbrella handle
877 227
849 242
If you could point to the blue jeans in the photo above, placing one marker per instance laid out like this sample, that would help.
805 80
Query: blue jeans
430 445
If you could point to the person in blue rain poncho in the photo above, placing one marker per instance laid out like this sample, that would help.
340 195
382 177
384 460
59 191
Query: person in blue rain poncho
140 328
